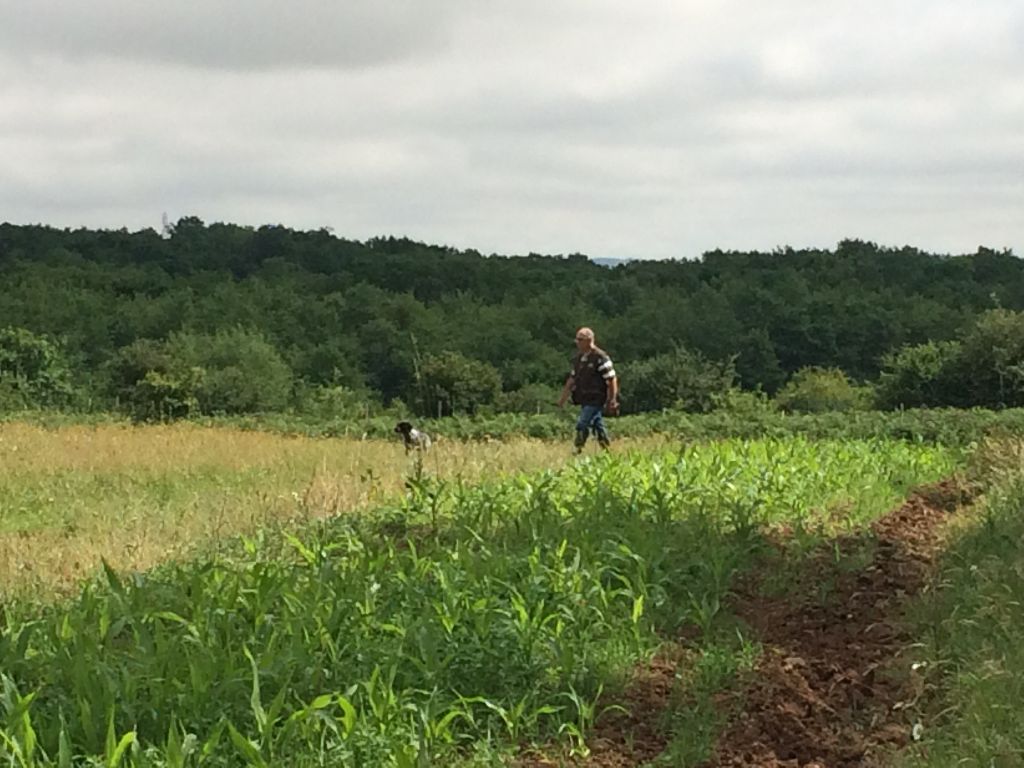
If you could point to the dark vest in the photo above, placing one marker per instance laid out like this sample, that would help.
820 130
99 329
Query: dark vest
590 387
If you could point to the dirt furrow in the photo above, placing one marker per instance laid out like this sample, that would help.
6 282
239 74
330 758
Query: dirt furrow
832 685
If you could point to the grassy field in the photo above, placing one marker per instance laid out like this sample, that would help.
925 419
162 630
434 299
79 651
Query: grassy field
971 626
480 603
139 495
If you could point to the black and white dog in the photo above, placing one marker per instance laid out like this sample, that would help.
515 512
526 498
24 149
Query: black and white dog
413 439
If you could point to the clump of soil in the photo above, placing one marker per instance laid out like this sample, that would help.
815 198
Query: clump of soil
829 687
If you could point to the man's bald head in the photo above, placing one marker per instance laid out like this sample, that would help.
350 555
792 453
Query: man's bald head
584 339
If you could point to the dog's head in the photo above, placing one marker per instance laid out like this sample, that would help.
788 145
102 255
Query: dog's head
403 428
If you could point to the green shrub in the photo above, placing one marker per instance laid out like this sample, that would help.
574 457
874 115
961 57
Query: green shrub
817 390
451 383
33 370
530 398
326 402
985 368
12 399
681 379
745 403
151 384
919 376
991 371
233 371
243 371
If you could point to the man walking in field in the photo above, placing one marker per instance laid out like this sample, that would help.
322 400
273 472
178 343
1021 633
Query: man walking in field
593 386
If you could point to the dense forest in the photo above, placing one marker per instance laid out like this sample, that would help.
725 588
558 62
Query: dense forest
228 318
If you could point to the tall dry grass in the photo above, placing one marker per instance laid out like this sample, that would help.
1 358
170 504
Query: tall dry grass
139 495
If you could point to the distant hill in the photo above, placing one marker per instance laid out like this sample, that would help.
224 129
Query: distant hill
604 261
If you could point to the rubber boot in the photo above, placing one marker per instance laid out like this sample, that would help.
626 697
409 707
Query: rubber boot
579 442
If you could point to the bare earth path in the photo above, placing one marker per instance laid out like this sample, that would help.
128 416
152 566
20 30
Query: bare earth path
828 689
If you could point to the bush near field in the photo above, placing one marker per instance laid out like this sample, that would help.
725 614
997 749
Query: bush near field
238 370
948 426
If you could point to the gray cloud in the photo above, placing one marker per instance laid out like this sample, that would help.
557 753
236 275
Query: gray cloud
663 131
255 34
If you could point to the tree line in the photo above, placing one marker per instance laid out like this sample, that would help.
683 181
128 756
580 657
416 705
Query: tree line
223 318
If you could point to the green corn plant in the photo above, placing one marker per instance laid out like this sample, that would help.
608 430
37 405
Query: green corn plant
18 734
586 709
116 748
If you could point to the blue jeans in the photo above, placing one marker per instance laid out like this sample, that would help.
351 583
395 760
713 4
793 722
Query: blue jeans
591 419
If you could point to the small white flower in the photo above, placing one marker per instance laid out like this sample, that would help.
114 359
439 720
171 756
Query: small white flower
917 731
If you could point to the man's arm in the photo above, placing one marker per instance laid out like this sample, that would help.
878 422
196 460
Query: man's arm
613 392
611 382
566 390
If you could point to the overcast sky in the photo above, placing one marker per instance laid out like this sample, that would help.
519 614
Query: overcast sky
647 129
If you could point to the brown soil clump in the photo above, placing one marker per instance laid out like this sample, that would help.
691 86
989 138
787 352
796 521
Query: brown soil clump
635 736
827 690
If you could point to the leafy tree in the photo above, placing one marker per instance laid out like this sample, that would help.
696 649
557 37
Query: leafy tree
450 383
331 362
162 395
757 365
